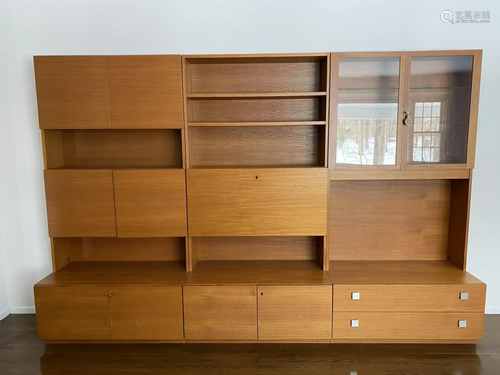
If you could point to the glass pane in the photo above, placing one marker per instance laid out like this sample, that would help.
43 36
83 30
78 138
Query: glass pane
440 99
367 111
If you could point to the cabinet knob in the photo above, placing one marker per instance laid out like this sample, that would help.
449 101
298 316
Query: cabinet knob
355 295
111 295
355 323
462 324
464 296
407 120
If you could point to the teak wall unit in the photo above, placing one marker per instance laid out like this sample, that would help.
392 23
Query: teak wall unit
259 198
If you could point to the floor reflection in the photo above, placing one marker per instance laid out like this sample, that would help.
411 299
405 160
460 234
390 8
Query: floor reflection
245 359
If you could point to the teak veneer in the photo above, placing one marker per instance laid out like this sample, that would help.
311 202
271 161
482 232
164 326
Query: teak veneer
259 198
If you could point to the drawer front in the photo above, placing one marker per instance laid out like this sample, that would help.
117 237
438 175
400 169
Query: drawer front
466 297
257 202
72 313
220 312
407 326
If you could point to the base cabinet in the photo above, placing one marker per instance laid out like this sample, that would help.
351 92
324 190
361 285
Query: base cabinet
220 312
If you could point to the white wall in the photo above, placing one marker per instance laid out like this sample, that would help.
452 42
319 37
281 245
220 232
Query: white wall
31 27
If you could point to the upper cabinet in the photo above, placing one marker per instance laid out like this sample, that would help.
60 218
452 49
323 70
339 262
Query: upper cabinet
72 92
415 110
102 92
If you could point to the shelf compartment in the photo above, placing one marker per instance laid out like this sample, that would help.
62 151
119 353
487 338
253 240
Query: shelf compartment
110 149
297 73
257 109
229 95
255 123
84 249
118 273
301 146
259 272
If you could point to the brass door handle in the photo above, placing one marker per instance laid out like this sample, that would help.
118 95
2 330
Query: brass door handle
407 120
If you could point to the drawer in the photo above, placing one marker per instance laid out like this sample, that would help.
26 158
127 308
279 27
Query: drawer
407 326
461 297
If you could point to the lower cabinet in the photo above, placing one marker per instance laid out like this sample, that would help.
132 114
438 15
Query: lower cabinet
146 313
295 312
220 312
102 313
374 326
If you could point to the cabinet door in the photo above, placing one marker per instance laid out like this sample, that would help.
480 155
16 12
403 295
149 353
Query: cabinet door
220 312
373 326
72 92
295 312
80 203
257 202
443 101
366 112
146 313
72 313
150 203
145 91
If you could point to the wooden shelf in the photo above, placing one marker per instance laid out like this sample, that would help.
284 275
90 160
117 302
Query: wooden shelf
260 272
262 95
118 273
364 174
258 123
398 272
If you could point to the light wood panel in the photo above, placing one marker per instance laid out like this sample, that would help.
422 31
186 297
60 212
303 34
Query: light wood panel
72 92
150 203
407 326
388 174
145 91
62 252
124 249
114 149
255 248
249 272
263 145
257 202
117 273
414 298
295 312
52 145
249 110
220 312
146 313
80 203
389 220
72 312
459 221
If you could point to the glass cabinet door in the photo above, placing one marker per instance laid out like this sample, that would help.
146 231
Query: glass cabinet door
439 104
367 111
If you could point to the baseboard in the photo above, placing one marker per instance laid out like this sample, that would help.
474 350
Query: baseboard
493 310
22 310
4 313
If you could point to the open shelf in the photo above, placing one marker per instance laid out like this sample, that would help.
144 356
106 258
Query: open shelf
118 273
398 272
257 272
236 146
112 149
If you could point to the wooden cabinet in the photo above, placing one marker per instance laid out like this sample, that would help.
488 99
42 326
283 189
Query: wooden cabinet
380 326
72 312
257 202
72 92
146 313
220 312
467 297
150 203
145 91
295 312
80 203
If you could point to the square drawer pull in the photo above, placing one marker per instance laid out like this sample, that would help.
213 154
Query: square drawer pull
354 323
462 324
355 295
464 296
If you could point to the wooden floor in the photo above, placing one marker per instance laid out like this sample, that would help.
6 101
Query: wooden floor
22 353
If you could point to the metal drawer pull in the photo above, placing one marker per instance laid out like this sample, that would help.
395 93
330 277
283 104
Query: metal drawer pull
464 296
355 295
462 324
353 373
355 323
